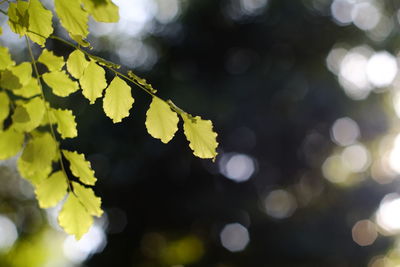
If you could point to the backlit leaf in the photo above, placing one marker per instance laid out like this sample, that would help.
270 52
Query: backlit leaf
88 199
66 125
15 77
51 190
74 217
18 17
201 137
117 100
76 64
52 62
5 58
38 154
4 108
29 90
10 143
34 177
60 83
40 22
161 121
73 18
102 10
35 109
93 82
80 167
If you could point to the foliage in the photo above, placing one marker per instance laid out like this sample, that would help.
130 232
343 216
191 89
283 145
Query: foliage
28 120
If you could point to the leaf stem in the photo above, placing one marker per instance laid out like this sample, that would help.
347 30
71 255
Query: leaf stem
47 112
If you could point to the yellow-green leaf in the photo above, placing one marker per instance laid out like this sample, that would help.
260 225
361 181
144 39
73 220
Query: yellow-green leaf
18 17
73 18
88 199
202 139
34 177
60 83
74 217
40 22
29 90
117 100
52 62
93 82
15 77
5 58
35 109
161 121
4 108
10 143
51 190
38 154
76 64
80 167
102 10
66 124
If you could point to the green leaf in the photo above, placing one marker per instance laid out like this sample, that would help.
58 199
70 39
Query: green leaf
201 137
73 18
40 22
29 90
15 77
4 108
102 10
66 125
88 199
117 100
35 109
80 167
74 217
18 17
20 115
5 58
39 153
51 190
10 143
34 177
60 83
161 121
52 62
93 82
76 64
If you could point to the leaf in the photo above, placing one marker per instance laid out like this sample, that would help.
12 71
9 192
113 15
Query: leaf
29 90
66 125
5 58
20 115
35 109
15 77
117 100
52 62
74 217
76 64
10 143
4 108
34 177
73 18
93 82
39 153
80 167
161 121
51 190
40 22
60 83
88 199
201 137
102 10
18 17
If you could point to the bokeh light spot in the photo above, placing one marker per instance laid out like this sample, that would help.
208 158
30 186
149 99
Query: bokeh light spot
237 167
280 204
364 232
8 233
388 215
234 237
382 69
345 131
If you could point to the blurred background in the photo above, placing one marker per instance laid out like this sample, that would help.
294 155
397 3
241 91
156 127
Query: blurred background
305 97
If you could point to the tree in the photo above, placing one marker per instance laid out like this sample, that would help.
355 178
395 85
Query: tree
30 123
